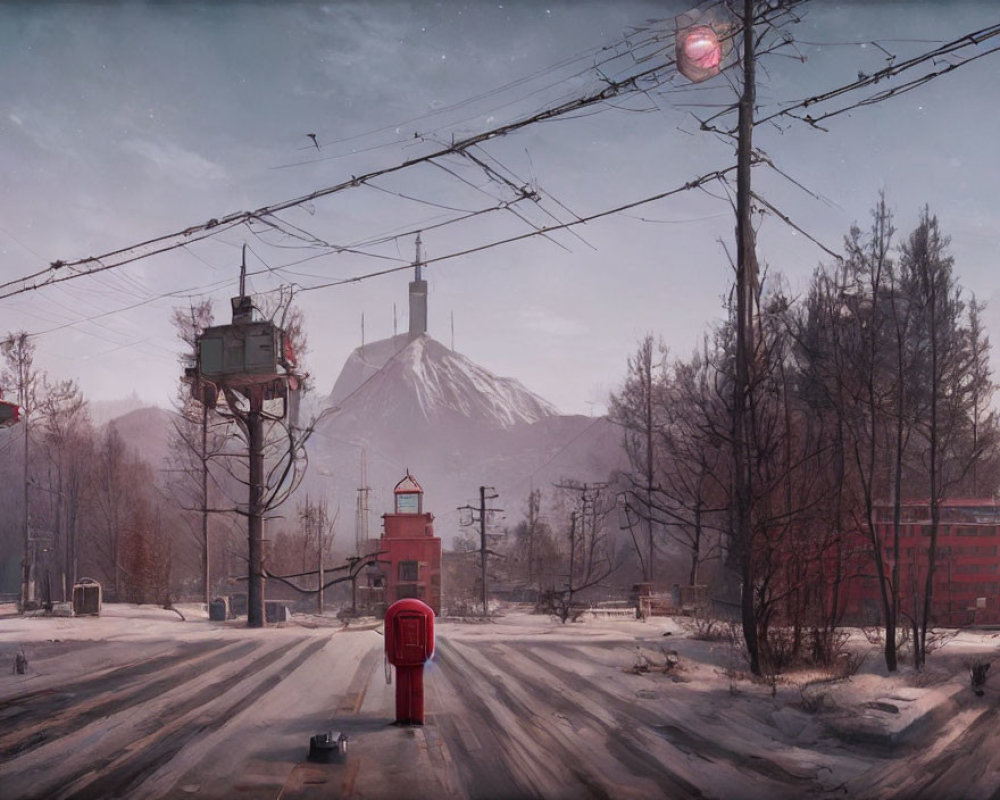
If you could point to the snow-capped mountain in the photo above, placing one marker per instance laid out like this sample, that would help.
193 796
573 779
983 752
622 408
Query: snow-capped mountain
409 377
410 403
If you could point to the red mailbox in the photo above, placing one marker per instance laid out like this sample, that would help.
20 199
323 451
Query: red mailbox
409 643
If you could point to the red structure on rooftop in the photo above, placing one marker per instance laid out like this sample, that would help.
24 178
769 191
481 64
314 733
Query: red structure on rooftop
412 559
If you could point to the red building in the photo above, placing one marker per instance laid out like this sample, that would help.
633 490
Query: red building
967 567
412 553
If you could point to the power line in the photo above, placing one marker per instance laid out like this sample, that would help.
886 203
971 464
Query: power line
694 184
268 215
893 69
116 258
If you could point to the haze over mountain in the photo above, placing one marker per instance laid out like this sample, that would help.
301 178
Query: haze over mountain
410 403
456 427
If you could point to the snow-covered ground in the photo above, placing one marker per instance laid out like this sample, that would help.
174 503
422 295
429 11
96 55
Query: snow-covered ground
140 703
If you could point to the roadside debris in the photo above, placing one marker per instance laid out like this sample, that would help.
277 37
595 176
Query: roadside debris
328 747
977 675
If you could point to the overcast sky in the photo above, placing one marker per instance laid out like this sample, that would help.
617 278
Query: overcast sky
122 122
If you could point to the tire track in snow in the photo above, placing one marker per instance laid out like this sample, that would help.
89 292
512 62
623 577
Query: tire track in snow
47 717
21 707
354 696
171 732
115 762
968 763
618 737
685 740
480 744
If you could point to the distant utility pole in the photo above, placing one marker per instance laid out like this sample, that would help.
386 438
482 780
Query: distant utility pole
361 510
483 550
205 549
590 495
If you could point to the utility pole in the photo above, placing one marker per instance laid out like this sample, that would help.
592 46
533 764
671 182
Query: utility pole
321 542
255 512
649 458
361 510
746 297
590 493
27 562
248 361
483 549
206 578
482 543
700 53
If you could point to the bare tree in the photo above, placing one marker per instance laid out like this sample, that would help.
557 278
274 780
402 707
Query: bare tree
587 555
111 499
316 533
694 475
530 555
196 439
634 408
66 437
858 354
947 399
985 467
19 356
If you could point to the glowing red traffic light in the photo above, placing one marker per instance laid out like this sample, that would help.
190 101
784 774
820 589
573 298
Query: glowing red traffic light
699 52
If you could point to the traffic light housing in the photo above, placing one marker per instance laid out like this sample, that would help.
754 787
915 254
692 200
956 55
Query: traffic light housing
10 414
702 44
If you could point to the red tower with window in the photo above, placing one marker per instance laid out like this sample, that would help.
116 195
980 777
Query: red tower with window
412 553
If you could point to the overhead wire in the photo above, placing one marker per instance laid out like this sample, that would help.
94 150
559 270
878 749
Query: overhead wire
267 215
167 242
886 73
170 241
697 183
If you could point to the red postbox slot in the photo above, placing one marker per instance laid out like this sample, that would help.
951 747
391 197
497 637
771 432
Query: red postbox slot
411 640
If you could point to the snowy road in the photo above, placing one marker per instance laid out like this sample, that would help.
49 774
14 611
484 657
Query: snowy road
517 709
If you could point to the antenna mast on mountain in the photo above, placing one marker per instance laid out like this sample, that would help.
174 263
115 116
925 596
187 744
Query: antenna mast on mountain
362 328
420 259
418 295
453 331
394 331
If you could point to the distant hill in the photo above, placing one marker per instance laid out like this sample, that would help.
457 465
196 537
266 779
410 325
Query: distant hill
411 403
148 431
103 411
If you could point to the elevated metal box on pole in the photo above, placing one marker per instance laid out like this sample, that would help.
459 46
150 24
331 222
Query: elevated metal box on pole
250 348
